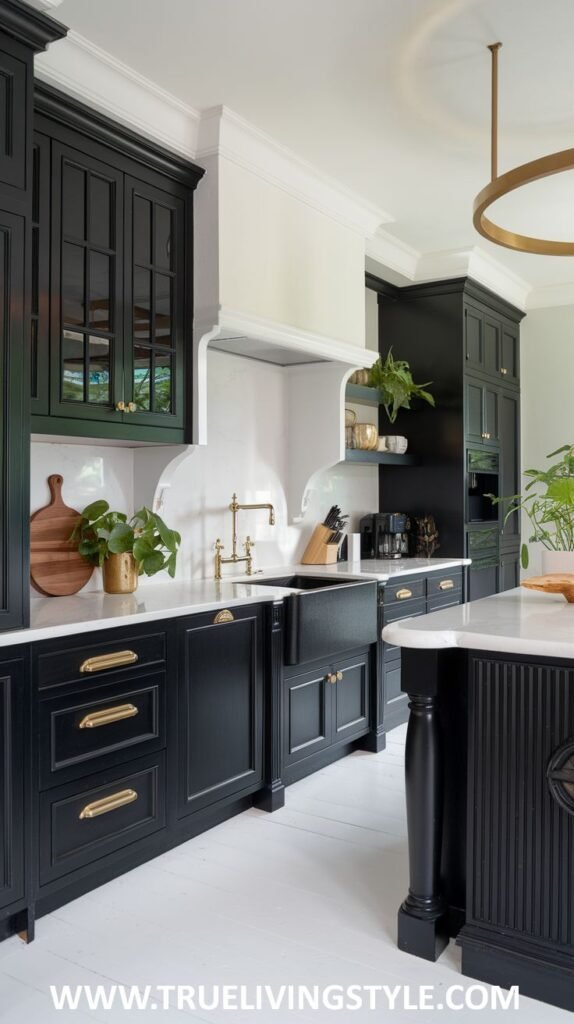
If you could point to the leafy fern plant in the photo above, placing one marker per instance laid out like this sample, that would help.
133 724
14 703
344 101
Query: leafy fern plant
102 533
396 386
548 502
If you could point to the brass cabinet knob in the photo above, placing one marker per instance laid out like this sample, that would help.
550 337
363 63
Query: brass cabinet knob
331 677
486 437
120 406
503 371
339 676
131 407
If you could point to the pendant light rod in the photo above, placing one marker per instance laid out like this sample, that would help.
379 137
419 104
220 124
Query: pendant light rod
494 48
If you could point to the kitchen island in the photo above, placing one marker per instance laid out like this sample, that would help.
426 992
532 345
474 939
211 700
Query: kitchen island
490 789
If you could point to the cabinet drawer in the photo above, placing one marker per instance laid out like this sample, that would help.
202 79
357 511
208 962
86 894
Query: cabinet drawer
439 585
81 823
408 610
82 732
400 593
449 600
88 662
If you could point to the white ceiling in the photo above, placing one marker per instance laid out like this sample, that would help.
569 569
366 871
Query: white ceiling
389 96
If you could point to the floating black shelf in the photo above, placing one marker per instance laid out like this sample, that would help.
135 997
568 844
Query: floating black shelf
379 458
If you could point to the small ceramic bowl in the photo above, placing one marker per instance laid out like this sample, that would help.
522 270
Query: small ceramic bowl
350 417
394 443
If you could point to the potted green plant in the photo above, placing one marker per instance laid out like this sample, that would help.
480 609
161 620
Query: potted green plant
125 549
394 382
548 503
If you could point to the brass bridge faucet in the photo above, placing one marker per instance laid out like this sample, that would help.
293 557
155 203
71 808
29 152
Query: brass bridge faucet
248 544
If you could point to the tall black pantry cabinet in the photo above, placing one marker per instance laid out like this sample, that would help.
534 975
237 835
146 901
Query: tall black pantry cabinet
465 339
23 32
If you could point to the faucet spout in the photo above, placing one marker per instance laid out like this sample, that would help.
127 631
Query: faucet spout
234 557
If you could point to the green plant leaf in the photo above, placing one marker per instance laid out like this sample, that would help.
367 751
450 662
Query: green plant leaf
153 563
524 556
95 510
142 549
121 539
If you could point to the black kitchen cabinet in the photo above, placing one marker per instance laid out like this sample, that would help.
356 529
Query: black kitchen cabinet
325 706
112 357
13 701
509 576
484 578
220 708
465 340
23 32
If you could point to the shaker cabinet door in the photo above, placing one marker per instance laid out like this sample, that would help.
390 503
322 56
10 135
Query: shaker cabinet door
12 699
155 304
220 709
87 285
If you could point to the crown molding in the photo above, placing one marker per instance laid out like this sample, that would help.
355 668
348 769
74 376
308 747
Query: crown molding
227 134
29 25
95 77
390 252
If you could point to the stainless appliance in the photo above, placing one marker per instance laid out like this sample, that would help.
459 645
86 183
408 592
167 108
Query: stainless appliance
385 535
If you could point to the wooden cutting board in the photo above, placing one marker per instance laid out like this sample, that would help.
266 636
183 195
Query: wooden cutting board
56 568
553 583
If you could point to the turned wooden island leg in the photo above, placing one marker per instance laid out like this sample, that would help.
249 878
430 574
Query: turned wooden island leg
422 924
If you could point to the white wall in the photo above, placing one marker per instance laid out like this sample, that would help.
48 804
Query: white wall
247 452
547 377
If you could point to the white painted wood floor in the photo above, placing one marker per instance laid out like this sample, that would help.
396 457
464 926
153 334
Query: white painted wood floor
307 895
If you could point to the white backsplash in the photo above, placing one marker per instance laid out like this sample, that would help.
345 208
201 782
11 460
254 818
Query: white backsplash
248 437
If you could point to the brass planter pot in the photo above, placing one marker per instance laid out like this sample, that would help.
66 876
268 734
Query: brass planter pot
120 574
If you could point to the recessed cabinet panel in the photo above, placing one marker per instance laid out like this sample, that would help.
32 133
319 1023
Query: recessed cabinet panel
352 698
12 700
87 296
40 318
13 103
307 715
509 462
491 329
474 411
220 710
473 338
510 366
491 414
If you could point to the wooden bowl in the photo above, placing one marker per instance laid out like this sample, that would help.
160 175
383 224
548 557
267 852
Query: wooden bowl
553 583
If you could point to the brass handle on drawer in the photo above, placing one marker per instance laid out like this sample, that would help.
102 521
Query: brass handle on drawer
102 661
108 715
446 585
109 803
401 595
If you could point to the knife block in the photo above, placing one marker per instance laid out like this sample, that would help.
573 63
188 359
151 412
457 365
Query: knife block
318 550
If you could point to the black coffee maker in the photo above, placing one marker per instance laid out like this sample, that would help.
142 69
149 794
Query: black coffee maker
385 535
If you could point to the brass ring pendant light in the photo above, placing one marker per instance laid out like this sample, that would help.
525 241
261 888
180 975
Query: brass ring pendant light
501 185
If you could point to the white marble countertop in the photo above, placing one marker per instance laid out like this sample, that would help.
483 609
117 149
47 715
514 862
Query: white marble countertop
368 569
92 610
516 622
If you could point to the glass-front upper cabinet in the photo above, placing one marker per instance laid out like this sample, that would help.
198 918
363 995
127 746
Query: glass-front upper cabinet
154 304
87 270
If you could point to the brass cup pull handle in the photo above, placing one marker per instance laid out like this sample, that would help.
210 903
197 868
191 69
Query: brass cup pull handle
108 715
446 585
401 595
108 803
104 661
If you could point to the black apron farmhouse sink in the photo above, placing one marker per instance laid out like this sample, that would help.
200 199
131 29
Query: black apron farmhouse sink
326 615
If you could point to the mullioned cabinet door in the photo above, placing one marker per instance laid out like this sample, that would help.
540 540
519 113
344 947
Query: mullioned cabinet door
12 698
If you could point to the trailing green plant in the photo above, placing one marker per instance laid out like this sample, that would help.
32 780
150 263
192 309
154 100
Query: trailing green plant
102 533
396 386
548 502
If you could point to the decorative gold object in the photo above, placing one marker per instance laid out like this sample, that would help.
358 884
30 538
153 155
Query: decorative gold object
120 574
350 417
224 616
103 661
446 585
501 185
108 715
366 436
403 594
248 543
108 803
